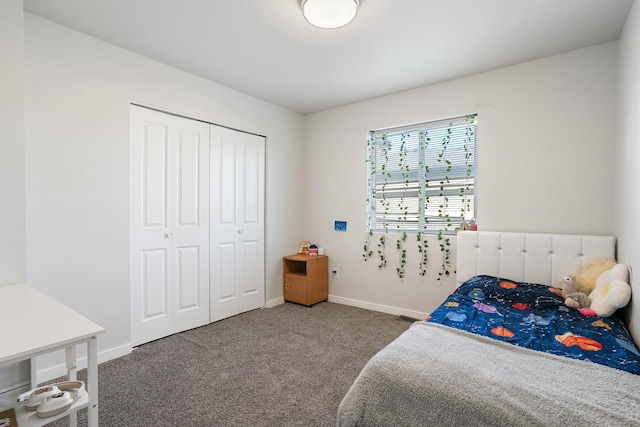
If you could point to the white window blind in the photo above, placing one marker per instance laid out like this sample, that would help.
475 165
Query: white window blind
422 177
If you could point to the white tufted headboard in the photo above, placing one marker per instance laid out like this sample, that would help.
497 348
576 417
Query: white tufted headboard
528 257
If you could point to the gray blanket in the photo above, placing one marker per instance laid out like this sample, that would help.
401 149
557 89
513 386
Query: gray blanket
433 375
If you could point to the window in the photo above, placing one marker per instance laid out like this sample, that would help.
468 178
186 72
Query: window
422 177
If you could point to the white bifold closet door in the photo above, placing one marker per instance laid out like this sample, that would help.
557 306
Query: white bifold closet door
237 222
169 224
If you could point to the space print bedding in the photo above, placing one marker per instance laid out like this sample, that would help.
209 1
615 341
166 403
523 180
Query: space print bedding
502 350
534 316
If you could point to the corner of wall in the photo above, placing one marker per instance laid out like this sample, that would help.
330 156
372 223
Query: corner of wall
627 184
12 149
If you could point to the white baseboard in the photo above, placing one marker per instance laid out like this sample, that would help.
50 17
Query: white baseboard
50 373
362 304
378 307
273 302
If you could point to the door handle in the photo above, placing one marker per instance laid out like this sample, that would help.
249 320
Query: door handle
168 235
240 230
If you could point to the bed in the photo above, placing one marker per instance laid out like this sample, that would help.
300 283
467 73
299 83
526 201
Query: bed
502 350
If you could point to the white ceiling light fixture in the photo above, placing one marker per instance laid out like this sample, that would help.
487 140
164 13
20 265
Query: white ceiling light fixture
329 13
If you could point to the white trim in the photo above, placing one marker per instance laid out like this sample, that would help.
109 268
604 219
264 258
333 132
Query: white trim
418 315
60 370
274 302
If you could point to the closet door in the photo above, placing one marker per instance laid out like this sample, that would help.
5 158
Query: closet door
169 224
237 222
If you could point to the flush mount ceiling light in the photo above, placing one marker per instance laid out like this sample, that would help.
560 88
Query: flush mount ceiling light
329 13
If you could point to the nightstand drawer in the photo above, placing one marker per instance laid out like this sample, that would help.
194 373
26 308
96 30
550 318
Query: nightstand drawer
295 288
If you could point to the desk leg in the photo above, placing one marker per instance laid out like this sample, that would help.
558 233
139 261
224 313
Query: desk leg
72 375
92 381
34 373
70 359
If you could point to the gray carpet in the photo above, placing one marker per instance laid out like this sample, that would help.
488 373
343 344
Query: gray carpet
285 366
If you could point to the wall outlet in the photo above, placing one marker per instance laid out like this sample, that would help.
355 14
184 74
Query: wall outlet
335 273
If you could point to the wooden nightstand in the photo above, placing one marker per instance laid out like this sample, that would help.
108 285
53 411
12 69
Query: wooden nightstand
306 278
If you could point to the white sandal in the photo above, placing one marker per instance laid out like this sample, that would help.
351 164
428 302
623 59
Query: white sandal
55 405
52 399
39 395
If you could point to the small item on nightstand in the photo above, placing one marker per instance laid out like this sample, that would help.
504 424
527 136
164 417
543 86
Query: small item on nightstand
320 251
463 226
473 225
313 250
304 248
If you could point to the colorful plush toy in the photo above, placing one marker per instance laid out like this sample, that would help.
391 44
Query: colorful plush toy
612 292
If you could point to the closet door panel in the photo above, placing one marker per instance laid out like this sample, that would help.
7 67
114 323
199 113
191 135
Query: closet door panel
170 216
155 175
155 283
150 219
188 280
251 220
226 174
223 227
226 273
250 256
252 182
237 222
188 172
189 233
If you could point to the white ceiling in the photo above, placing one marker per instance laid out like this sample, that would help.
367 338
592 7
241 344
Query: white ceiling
265 48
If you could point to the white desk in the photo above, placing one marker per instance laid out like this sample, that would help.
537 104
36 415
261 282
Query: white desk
31 324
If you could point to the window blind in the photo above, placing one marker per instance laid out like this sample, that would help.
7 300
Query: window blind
422 177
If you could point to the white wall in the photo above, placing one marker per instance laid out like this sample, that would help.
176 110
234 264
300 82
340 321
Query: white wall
627 168
78 92
546 132
12 154
12 169
540 123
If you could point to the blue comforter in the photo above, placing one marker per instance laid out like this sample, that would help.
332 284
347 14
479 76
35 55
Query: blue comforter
534 316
